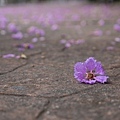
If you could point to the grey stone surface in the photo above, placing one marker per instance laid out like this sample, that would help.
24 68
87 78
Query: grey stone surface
42 87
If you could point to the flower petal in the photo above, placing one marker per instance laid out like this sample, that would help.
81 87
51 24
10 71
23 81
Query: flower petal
99 69
79 76
101 79
90 63
89 81
79 67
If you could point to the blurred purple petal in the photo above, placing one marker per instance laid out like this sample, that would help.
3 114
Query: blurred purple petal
117 27
98 33
17 36
12 28
9 56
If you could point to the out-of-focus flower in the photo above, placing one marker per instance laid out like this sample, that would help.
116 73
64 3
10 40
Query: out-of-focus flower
80 41
117 27
98 33
40 32
63 41
12 28
101 22
110 48
90 72
22 47
34 40
17 36
31 30
3 22
67 45
54 27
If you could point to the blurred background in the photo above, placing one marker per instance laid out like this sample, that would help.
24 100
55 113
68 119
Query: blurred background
3 2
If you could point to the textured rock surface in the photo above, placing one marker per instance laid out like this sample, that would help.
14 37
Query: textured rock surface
42 87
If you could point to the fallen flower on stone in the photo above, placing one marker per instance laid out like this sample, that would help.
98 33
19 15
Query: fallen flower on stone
24 46
90 72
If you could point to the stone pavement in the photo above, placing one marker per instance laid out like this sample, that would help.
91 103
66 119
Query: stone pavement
42 87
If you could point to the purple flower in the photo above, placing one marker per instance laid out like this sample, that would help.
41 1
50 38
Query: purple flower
90 72
22 47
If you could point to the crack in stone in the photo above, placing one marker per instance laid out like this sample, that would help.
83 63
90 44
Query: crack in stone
67 95
14 69
18 95
41 112
22 64
33 54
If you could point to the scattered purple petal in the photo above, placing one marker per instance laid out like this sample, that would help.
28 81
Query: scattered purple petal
117 27
63 41
67 45
40 32
79 41
110 48
9 56
54 27
34 40
17 57
101 22
17 36
12 28
3 22
32 30
98 33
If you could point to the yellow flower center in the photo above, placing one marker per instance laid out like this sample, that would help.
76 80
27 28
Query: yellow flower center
90 76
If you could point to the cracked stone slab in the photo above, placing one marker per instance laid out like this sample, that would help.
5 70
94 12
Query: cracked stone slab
43 86
20 108
43 80
95 103
9 65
